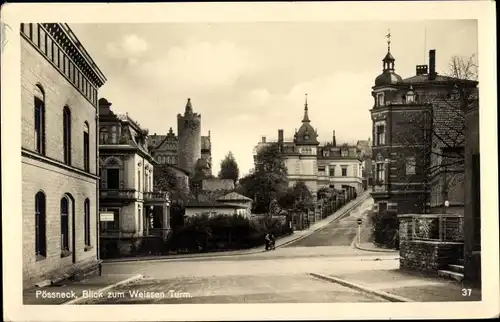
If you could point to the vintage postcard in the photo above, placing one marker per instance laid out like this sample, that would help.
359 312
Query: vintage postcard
227 161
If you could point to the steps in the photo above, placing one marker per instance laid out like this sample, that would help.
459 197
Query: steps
453 271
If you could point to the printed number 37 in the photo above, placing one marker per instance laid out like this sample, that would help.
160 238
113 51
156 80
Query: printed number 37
466 292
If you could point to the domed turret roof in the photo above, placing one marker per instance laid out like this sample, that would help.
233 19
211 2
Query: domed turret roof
306 133
388 78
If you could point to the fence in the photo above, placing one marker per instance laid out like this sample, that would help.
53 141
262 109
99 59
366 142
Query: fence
432 227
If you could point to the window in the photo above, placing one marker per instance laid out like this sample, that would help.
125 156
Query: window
86 148
138 180
344 152
67 135
355 170
86 221
39 115
380 99
344 171
103 135
380 172
146 181
113 178
40 225
380 134
64 223
326 153
410 165
331 170
114 134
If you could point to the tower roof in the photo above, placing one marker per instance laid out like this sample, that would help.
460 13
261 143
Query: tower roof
306 133
388 76
189 107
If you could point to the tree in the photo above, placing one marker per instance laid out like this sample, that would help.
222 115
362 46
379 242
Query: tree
165 179
268 181
229 168
441 128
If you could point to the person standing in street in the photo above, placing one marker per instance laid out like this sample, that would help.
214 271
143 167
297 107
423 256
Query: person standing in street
268 240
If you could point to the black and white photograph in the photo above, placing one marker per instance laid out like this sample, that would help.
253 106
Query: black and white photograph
274 156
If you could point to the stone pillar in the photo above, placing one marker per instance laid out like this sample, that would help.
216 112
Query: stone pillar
166 219
472 253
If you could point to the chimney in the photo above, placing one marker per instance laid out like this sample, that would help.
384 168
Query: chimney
334 142
280 136
263 139
432 64
422 70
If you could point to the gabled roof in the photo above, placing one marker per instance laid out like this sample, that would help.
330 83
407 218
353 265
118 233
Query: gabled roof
234 196
423 79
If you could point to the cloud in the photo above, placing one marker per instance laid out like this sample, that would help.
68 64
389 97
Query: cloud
196 66
130 46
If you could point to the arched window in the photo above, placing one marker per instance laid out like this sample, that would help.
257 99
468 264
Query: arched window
65 223
103 135
86 213
39 115
40 225
67 135
86 147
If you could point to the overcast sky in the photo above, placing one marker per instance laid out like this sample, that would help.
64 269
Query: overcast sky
249 79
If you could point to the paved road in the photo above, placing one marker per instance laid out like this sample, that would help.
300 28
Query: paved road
280 276
341 232
253 280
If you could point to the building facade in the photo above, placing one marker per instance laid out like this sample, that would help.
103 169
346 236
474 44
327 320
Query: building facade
59 86
133 209
319 165
185 149
418 141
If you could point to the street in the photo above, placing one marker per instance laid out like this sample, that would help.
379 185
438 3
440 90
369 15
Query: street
279 276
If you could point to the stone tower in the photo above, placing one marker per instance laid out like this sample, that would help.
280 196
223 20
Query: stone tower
189 133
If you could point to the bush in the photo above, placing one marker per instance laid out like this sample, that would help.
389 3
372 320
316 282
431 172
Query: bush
385 229
222 232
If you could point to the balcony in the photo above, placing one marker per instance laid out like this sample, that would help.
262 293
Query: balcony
157 197
117 194
432 227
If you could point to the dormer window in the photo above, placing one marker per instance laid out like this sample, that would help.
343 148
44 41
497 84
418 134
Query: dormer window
410 96
380 99
306 137
344 152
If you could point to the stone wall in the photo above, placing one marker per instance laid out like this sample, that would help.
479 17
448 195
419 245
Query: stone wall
428 256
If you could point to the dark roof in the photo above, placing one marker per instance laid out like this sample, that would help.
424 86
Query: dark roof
422 79
388 78
187 173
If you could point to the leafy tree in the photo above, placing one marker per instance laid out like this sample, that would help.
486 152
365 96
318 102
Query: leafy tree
165 179
268 181
229 168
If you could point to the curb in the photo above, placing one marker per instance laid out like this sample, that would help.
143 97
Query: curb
104 289
374 250
361 288
175 257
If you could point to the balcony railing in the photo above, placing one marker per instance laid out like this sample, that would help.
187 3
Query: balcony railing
432 227
118 194
156 196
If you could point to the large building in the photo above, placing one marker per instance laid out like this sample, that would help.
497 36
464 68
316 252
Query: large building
418 140
59 90
131 209
319 165
188 149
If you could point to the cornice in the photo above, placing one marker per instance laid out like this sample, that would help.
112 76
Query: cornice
64 36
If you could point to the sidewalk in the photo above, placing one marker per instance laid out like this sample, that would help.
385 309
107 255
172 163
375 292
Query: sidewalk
280 242
406 286
72 290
